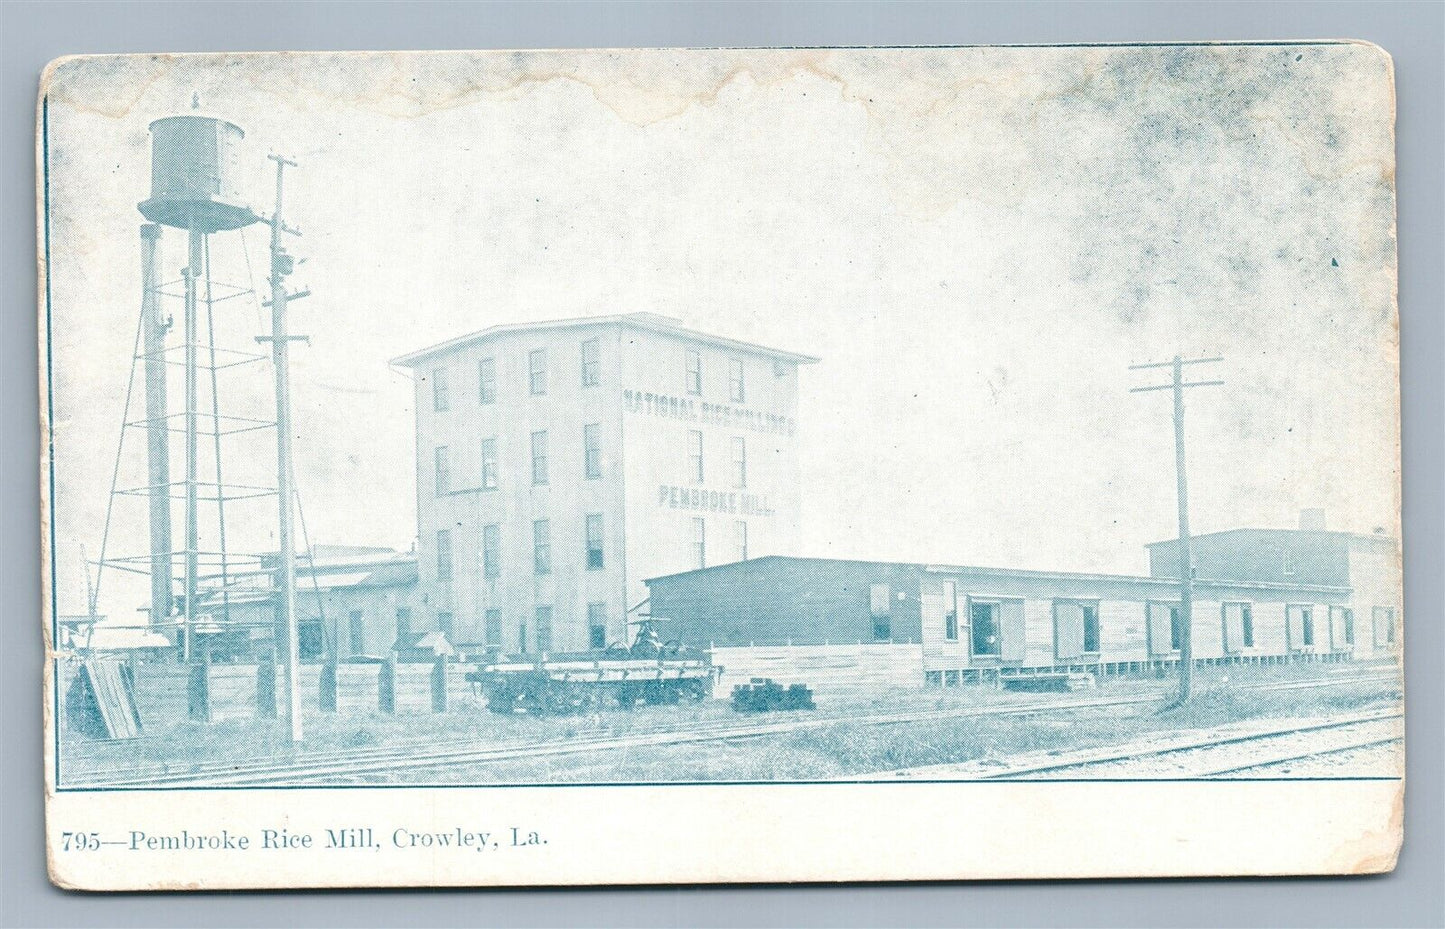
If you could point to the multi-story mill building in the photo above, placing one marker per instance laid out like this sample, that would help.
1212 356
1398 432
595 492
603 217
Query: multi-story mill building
561 463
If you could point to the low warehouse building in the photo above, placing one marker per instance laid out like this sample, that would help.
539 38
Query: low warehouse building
969 621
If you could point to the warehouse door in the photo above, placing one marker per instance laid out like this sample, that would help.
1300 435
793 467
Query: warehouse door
1068 630
1163 628
1011 624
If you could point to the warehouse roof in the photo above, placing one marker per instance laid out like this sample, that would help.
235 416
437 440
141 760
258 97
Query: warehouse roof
1297 533
653 322
1006 572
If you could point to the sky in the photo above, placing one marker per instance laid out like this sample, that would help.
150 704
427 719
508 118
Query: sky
977 243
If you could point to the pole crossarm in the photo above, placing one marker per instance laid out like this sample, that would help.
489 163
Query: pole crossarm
1181 624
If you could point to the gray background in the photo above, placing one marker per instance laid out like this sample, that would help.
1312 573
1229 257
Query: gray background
33 33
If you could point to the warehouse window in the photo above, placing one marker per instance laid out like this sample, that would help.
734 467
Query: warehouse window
1091 628
443 479
592 450
1246 621
594 541
736 389
1176 628
446 625
694 455
489 464
544 628
492 627
880 607
444 554
542 546
740 540
539 457
950 611
537 371
441 396
522 636
403 624
1286 562
591 366
740 461
491 550
356 632
694 372
487 380
983 629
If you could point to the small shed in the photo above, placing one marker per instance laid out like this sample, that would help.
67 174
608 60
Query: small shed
423 647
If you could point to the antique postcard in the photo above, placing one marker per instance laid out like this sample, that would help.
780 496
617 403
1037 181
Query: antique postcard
686 465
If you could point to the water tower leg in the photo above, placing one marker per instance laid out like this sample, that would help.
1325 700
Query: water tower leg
158 449
193 272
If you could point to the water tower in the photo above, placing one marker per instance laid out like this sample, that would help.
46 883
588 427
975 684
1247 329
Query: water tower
195 168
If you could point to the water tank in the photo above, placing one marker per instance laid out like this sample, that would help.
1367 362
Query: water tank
194 166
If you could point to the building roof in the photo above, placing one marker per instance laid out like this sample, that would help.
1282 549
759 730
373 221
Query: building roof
652 322
1378 537
1024 573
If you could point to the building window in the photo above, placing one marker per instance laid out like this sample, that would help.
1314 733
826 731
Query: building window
880 607
522 636
542 546
537 371
1238 626
740 540
544 628
487 380
740 461
539 457
446 625
984 630
594 541
694 455
1076 629
1286 562
1091 628
444 554
489 464
491 550
1307 627
356 632
403 624
694 372
597 625
1383 620
699 542
310 640
1342 627
443 478
441 396
1176 629
737 391
492 627
950 611
591 366
592 451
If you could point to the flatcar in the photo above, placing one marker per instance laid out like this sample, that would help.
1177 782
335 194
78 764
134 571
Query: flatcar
648 671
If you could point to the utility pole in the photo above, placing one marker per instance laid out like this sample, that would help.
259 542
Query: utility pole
1186 555
282 264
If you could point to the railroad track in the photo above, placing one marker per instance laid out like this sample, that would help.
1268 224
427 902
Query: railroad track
358 764
1221 752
